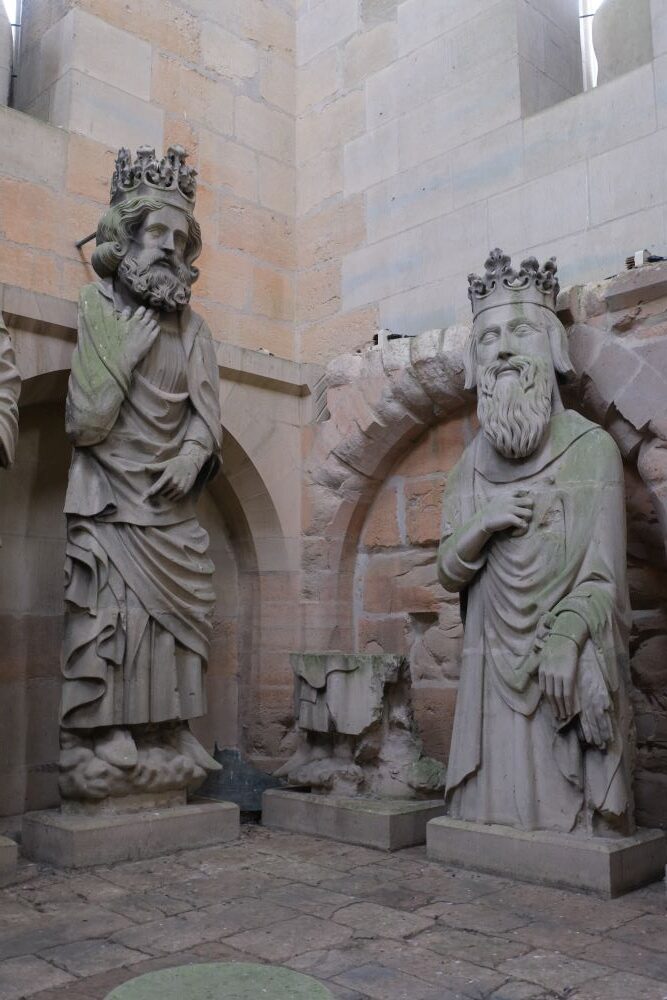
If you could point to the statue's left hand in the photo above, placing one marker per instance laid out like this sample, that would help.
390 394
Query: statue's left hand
557 675
177 479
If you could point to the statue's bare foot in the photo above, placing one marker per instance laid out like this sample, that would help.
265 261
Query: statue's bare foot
117 748
182 739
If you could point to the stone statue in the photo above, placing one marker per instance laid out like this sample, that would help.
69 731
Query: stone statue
535 544
355 728
144 419
10 388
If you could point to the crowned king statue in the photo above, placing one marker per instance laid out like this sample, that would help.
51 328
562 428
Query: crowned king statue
535 544
144 419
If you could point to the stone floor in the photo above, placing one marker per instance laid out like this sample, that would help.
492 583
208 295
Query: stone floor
368 924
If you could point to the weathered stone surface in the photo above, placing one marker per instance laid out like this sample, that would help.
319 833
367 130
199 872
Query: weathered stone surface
355 728
77 841
608 866
387 825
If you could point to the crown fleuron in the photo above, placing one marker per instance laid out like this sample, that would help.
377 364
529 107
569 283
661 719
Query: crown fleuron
169 179
503 284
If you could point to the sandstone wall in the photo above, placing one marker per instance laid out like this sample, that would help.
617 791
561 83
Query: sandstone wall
217 77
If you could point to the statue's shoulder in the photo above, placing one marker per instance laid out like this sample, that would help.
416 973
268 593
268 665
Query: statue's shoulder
591 438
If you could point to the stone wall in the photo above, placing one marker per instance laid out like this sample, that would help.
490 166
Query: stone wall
216 77
6 50
430 130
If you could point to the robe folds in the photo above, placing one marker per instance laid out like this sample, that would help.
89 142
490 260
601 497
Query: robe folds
511 761
10 389
138 580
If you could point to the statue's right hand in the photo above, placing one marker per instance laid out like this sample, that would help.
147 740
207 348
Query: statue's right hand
508 512
142 331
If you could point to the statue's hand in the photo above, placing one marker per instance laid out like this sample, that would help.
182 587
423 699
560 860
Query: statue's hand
595 716
557 675
142 331
513 511
177 479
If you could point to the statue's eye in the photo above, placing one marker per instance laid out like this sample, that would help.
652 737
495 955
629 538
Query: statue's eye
523 331
488 337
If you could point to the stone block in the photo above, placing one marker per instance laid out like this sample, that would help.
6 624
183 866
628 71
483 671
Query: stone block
387 825
162 22
423 510
323 26
77 841
32 151
410 198
441 66
8 860
338 228
82 104
487 165
80 41
593 122
318 80
227 54
277 82
459 115
265 129
368 53
404 581
257 231
330 127
319 179
452 242
541 210
371 158
419 21
624 180
539 91
381 529
606 866
659 27
318 292
6 51
383 269
191 95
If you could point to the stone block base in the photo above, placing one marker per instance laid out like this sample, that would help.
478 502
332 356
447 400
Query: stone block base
69 840
387 824
8 860
607 866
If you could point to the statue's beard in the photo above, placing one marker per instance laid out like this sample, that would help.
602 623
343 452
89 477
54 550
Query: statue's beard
155 281
514 410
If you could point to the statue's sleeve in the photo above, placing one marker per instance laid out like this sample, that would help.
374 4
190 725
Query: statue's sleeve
599 598
454 572
204 433
100 376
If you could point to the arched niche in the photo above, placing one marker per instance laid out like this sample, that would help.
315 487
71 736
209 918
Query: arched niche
32 530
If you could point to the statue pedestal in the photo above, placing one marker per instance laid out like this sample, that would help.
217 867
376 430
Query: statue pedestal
76 839
608 866
388 824
8 860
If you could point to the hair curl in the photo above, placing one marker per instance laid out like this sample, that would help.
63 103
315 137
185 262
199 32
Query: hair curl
118 227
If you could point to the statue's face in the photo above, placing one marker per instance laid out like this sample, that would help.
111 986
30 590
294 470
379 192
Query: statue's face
163 233
515 377
511 330
154 268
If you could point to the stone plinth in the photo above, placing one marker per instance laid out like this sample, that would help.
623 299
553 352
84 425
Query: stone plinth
8 859
76 840
608 866
388 824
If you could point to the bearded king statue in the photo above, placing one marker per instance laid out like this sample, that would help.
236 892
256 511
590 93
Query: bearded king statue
535 543
144 419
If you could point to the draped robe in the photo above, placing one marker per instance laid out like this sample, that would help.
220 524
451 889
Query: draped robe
138 581
511 761
10 388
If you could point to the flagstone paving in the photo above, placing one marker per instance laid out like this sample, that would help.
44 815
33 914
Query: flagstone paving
369 925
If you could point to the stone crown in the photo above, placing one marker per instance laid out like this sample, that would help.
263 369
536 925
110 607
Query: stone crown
170 178
503 284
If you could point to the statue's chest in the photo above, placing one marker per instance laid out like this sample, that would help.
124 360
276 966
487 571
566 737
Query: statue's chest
542 547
